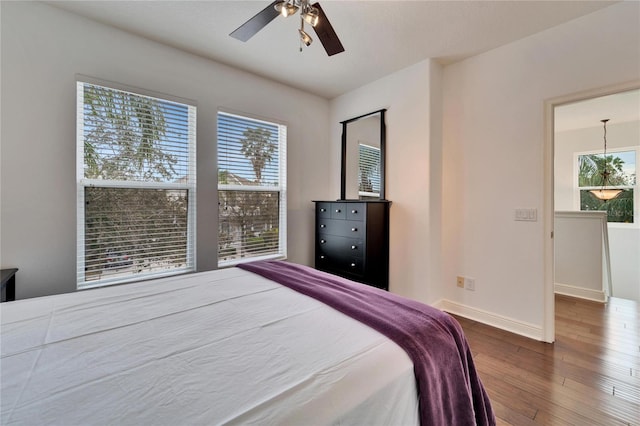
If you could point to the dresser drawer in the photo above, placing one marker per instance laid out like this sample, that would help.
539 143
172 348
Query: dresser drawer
340 246
344 228
327 262
323 210
338 210
356 211
354 266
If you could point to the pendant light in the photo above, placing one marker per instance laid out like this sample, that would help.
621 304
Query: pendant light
603 193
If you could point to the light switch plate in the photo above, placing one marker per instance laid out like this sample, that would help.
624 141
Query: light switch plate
527 215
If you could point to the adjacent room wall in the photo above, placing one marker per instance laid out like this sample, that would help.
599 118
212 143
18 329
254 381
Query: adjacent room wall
493 162
580 264
43 48
624 250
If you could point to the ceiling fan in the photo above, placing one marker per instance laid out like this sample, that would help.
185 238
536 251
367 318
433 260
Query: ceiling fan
309 13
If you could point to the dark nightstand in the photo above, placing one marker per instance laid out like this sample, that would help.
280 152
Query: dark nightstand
8 284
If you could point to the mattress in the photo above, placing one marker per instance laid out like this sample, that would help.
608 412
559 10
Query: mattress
218 347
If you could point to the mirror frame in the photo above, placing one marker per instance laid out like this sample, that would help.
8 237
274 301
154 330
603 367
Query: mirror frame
383 141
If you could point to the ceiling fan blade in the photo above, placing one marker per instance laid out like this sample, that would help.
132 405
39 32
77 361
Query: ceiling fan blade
326 34
247 30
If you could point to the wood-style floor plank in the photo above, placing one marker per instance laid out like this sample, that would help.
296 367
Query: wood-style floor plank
589 376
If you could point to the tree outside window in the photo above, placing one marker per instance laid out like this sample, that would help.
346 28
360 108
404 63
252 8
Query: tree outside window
251 189
136 186
622 168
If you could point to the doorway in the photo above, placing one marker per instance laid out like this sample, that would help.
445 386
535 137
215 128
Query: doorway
575 136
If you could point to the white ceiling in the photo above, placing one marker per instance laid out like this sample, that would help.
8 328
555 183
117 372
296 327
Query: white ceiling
380 37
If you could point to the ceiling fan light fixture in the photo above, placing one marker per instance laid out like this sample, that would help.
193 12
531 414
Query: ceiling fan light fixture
291 9
311 15
286 8
304 37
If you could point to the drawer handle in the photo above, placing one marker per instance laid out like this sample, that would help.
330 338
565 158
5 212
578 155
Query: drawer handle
322 241
354 247
338 210
354 211
353 265
323 210
354 229
323 226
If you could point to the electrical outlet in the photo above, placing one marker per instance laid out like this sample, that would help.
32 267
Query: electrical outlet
460 282
470 284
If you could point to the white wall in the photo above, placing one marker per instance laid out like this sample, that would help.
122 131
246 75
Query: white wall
493 154
43 49
624 249
411 95
624 239
580 261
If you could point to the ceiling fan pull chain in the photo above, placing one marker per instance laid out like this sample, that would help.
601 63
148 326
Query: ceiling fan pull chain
304 37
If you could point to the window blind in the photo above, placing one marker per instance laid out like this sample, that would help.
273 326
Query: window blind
136 186
251 189
369 170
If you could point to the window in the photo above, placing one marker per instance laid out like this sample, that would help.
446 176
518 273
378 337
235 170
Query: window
252 194
368 171
136 180
622 168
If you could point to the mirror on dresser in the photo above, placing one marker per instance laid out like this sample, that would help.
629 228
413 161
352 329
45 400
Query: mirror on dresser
352 233
363 157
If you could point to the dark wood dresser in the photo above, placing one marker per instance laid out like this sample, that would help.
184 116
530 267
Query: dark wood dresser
352 240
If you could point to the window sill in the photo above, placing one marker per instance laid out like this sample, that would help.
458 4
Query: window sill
234 262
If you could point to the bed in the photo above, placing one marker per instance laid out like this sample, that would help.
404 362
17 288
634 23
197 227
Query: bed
267 344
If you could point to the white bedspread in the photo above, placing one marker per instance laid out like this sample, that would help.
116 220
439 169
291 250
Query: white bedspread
220 347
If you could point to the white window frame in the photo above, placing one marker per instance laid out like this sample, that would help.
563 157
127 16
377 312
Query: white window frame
82 183
281 188
635 188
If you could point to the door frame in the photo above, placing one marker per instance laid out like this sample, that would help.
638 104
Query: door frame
548 202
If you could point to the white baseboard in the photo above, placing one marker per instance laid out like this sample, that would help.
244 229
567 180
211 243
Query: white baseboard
580 292
508 324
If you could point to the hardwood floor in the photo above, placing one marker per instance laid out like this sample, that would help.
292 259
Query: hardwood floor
589 376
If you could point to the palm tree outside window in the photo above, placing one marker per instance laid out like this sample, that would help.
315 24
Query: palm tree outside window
252 202
622 168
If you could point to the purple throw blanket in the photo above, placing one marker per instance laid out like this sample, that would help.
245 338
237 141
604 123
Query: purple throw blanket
449 389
